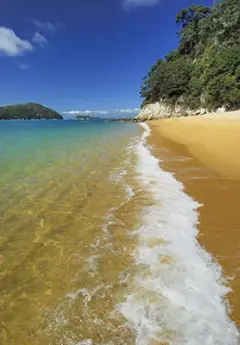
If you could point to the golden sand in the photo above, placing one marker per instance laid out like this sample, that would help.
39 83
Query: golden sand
213 139
204 153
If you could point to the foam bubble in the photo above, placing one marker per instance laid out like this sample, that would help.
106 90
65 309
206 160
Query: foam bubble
85 342
91 264
86 294
179 294
129 191
117 175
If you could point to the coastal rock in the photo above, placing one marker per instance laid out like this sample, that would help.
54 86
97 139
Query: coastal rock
161 110
201 111
221 110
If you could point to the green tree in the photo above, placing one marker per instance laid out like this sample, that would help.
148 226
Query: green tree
221 78
189 20
225 23
192 15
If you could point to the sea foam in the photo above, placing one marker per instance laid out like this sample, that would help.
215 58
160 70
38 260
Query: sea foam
178 296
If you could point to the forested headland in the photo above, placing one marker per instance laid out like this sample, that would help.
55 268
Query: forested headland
28 111
204 70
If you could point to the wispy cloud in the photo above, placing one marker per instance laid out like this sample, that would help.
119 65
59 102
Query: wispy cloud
127 111
24 66
39 40
104 113
46 26
128 4
11 44
85 112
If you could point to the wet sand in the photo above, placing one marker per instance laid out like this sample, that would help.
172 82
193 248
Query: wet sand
204 153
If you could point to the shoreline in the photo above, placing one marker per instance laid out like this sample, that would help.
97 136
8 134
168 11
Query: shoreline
177 291
200 152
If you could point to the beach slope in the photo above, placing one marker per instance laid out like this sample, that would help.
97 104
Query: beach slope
214 139
203 152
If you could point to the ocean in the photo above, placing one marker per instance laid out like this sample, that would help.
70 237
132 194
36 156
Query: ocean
98 244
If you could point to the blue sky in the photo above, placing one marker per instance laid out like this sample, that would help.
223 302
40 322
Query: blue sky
77 55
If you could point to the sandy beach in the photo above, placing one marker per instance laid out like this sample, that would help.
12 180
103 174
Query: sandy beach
203 152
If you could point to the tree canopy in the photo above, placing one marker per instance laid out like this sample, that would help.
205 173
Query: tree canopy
204 70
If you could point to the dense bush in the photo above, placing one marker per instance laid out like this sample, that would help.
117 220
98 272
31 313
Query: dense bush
205 69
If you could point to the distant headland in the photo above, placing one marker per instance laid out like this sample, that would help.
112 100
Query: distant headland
28 111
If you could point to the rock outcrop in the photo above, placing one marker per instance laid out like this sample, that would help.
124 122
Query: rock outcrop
161 110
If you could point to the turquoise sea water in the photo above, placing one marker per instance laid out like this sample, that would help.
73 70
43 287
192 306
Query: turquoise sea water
35 155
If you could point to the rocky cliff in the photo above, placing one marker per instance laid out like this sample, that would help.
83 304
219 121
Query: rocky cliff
161 110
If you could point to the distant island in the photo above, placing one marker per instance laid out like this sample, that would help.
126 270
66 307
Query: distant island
28 111
82 117
86 117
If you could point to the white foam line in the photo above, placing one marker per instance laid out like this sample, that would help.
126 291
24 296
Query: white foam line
178 296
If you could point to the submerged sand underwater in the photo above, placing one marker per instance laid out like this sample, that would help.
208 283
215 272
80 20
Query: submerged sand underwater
62 247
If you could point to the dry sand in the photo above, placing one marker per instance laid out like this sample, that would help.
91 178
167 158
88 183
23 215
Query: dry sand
213 139
204 153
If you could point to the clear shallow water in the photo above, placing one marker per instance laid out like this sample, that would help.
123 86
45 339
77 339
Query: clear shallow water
98 244
61 185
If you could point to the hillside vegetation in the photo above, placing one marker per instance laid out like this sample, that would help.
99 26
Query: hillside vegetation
204 70
28 111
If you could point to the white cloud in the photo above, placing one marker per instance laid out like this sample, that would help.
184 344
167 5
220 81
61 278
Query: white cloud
86 112
127 4
72 112
46 26
107 113
128 111
39 40
11 44
24 66
101 112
